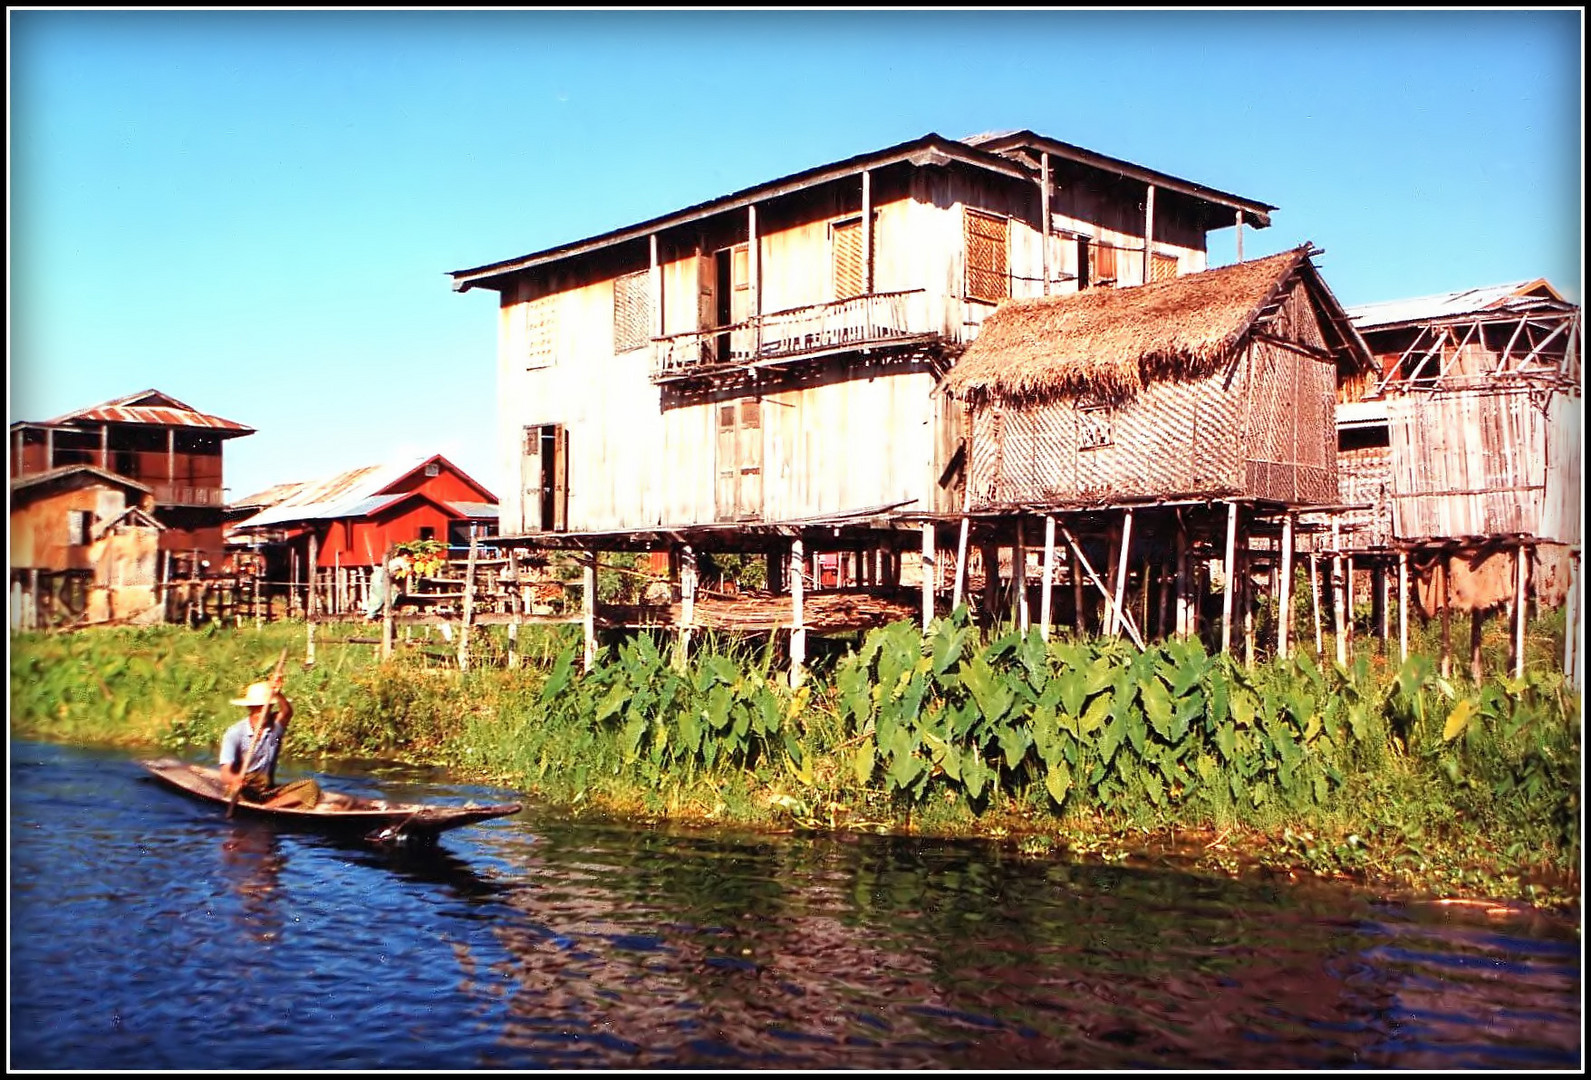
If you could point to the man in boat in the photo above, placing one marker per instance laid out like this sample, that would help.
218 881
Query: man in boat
258 779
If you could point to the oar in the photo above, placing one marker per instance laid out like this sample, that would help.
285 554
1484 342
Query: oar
265 722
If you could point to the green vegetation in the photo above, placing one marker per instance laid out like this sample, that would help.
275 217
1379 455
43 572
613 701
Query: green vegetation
1393 776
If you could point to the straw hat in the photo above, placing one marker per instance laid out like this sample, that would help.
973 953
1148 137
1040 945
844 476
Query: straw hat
257 694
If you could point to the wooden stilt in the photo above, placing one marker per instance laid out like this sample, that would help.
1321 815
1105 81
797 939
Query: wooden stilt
990 555
929 575
1079 611
1184 586
1573 633
588 604
515 608
1447 622
1521 609
1337 600
1049 576
687 592
1403 607
1119 601
1077 551
1314 599
1231 577
798 629
1476 618
389 596
468 613
1284 588
961 548
1019 577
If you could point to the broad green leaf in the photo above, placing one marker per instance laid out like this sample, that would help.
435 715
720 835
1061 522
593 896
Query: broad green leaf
862 765
1458 720
1058 781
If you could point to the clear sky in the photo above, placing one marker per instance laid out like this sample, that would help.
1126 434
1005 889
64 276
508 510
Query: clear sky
256 211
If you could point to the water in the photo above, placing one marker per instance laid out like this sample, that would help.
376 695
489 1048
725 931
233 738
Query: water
147 932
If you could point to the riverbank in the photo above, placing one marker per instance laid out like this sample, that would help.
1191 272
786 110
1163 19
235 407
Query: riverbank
1394 780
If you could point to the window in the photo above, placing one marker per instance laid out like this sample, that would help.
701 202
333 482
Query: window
987 274
1093 426
433 468
1083 279
1103 271
1162 267
539 331
79 524
632 311
427 532
849 256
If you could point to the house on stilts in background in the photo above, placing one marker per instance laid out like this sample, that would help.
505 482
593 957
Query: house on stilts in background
1460 459
760 374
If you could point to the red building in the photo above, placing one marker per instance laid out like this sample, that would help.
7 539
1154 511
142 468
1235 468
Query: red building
351 519
156 441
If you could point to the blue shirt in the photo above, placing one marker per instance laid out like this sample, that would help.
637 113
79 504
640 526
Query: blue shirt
235 743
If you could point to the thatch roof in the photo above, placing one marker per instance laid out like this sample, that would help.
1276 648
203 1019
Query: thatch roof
1109 342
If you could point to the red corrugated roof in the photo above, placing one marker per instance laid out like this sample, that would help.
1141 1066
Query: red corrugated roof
154 408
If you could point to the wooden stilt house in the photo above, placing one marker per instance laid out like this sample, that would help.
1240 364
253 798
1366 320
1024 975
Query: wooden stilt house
1462 456
1171 416
755 374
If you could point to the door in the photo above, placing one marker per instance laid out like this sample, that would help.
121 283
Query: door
739 460
543 472
726 301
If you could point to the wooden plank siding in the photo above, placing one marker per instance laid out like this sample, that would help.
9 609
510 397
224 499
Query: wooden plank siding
848 432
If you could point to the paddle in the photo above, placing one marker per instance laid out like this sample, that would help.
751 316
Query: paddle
265 722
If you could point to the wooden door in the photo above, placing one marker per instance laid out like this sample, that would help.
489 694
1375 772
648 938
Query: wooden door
738 491
543 473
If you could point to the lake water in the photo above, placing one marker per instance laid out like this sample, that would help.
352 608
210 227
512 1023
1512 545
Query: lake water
148 932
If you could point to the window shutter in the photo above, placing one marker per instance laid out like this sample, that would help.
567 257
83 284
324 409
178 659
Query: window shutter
1162 267
986 257
848 277
632 311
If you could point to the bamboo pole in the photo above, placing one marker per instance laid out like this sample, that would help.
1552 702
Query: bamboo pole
1049 563
928 575
389 595
1183 584
1099 584
514 607
1314 599
1019 577
1574 633
990 555
687 593
1231 578
1338 602
1447 621
961 546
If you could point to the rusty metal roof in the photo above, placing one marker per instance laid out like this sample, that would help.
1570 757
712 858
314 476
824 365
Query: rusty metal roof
354 493
1449 305
154 408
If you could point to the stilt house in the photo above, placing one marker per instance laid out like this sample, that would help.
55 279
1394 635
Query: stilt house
1214 388
756 373
1463 456
150 438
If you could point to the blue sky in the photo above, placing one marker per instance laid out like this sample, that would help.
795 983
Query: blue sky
256 211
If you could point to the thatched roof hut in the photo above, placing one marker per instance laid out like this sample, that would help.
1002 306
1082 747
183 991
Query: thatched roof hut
1215 384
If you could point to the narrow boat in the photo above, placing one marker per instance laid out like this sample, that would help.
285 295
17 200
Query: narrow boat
376 820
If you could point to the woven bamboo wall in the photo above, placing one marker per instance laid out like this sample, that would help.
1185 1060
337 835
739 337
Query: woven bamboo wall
1364 475
1488 462
1264 428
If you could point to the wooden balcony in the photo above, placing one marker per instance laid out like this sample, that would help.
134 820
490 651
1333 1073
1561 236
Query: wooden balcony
169 494
862 322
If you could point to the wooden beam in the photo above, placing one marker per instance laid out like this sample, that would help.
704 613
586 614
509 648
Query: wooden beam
753 285
654 286
867 231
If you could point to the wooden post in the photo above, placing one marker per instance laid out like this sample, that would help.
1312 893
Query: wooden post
1573 634
1019 577
687 606
310 599
1079 613
1447 620
961 546
1044 216
1149 229
1521 609
1338 597
928 574
1049 527
389 594
1120 599
589 608
1240 236
1104 590
1314 599
1284 588
867 231
514 607
753 273
469 603
1476 618
798 629
1231 578
1185 620
1245 597
1347 604
309 642
1403 607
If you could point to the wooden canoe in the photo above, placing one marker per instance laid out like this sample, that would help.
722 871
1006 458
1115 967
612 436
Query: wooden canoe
348 815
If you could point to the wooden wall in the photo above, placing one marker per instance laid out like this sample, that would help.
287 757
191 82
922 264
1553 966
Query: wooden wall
636 460
40 532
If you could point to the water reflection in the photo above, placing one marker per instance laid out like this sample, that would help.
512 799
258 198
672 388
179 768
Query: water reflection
251 865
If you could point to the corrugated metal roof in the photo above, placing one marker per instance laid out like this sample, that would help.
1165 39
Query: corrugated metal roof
155 408
1449 304
476 509
342 495
50 476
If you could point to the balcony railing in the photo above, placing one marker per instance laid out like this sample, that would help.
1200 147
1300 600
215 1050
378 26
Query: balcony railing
893 318
167 494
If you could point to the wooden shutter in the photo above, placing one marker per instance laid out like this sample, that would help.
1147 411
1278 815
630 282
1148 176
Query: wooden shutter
1104 257
987 277
1162 267
632 311
728 465
749 499
846 241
